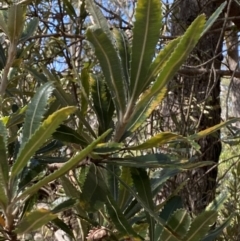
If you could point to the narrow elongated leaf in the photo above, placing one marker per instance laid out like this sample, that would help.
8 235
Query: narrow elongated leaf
3 21
213 17
112 181
120 221
99 18
158 219
4 168
213 234
16 20
65 168
62 226
148 21
124 196
141 113
61 96
180 222
212 129
156 161
111 66
39 137
85 90
35 111
142 184
70 10
177 58
67 134
200 225
172 205
160 60
29 29
102 101
124 53
2 57
34 220
108 148
157 140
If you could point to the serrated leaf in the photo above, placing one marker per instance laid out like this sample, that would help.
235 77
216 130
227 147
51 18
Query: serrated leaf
217 203
64 169
16 19
141 113
200 225
35 111
157 140
123 47
99 18
66 134
39 137
102 101
180 222
3 21
34 220
213 17
29 29
120 221
147 25
124 196
111 67
142 184
64 205
212 129
213 234
108 148
156 161
177 58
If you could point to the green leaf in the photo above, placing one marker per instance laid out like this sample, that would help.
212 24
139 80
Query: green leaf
160 60
85 90
108 148
61 225
152 213
29 29
213 234
180 222
70 10
16 20
214 17
200 225
172 205
34 220
63 204
212 129
124 195
39 137
111 67
99 19
124 53
3 21
64 169
102 101
156 161
35 111
142 184
157 140
217 203
120 222
67 134
177 58
141 113
2 57
4 167
148 22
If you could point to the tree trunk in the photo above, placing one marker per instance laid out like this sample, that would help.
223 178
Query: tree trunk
194 104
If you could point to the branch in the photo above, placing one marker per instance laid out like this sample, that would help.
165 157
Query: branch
192 72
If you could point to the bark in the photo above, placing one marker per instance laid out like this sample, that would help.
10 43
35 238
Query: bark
194 105
233 65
